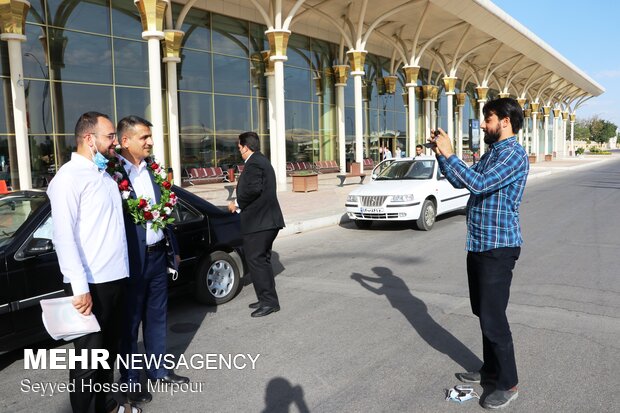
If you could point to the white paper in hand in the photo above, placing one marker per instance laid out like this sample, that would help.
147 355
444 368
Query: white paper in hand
63 321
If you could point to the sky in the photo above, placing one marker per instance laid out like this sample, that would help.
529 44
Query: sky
587 33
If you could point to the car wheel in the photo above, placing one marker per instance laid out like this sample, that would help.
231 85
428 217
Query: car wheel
427 216
363 224
217 279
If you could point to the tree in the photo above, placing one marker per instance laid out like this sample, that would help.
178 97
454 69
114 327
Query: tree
595 129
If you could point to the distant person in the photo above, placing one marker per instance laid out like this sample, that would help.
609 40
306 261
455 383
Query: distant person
419 150
387 153
261 220
494 239
89 238
398 153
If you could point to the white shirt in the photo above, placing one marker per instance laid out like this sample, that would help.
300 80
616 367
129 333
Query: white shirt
143 187
88 229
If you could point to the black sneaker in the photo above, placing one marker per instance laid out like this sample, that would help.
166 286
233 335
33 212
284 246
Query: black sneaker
500 398
469 377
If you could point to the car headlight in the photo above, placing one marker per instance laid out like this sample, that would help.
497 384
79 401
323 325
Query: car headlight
352 198
402 198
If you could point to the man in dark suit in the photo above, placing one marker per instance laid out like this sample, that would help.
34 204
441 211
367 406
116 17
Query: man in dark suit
261 220
149 248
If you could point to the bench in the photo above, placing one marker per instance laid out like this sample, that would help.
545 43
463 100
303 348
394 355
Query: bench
326 166
343 177
204 175
292 167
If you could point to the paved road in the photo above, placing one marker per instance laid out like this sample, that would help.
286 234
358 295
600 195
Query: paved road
378 320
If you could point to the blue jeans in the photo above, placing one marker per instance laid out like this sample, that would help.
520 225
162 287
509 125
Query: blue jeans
489 275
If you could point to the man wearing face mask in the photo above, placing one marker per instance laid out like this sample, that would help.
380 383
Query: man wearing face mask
494 239
89 237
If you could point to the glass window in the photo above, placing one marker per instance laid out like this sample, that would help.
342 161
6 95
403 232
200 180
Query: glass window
227 151
126 19
4 60
131 62
38 106
34 61
75 99
182 214
194 71
14 211
232 114
258 39
36 14
90 16
195 113
85 58
297 84
298 118
260 116
232 75
6 107
196 150
298 51
197 29
65 145
132 101
229 36
42 160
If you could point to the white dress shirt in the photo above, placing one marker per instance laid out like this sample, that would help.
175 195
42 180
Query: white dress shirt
88 228
142 185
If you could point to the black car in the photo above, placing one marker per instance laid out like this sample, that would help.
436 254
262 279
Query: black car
209 238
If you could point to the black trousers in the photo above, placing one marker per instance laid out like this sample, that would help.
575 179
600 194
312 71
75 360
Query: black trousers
489 275
108 305
257 247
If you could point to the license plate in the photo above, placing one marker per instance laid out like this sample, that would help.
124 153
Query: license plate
372 210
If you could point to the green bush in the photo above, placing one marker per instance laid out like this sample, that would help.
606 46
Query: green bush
580 151
594 149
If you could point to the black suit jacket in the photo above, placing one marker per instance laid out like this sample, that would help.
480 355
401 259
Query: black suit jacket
136 237
256 196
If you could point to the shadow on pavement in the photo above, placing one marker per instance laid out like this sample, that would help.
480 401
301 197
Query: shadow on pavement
416 312
280 394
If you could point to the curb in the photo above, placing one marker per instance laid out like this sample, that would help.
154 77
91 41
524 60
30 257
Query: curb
315 223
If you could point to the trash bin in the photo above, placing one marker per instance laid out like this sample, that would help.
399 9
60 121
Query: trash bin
231 174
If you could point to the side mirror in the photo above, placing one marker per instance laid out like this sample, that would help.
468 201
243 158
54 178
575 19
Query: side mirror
38 246
373 176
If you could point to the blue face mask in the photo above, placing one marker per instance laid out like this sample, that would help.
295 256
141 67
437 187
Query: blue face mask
100 161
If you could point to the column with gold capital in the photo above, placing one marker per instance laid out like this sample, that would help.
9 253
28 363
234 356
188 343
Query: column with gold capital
535 139
278 43
172 56
449 84
430 97
152 13
356 61
13 25
546 112
572 118
521 102
527 113
481 91
460 104
564 124
341 74
556 131
411 80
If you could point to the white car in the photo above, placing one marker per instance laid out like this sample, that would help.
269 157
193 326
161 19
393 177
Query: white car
407 189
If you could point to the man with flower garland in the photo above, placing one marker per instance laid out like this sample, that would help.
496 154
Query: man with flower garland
148 205
90 243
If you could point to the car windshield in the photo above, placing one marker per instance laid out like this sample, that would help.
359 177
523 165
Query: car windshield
14 211
409 169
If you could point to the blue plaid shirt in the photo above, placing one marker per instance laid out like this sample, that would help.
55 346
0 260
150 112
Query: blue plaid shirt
496 184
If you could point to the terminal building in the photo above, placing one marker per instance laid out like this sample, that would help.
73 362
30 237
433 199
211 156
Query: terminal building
318 80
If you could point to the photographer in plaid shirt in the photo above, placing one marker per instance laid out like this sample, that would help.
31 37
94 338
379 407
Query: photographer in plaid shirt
494 240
